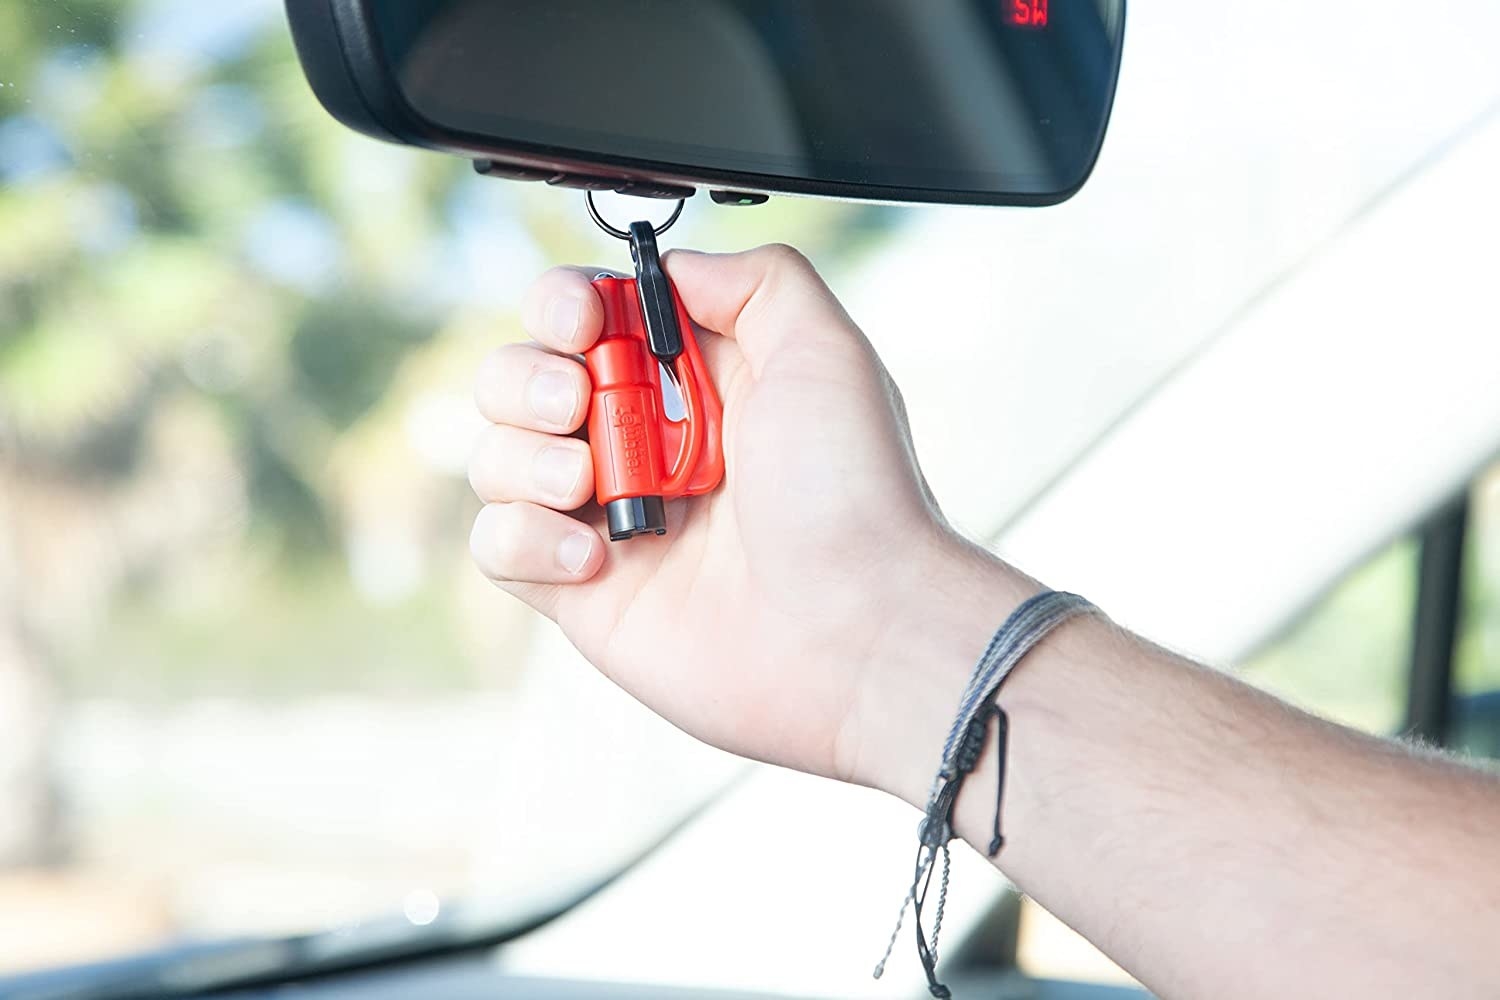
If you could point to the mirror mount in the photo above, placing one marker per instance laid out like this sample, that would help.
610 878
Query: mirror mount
619 185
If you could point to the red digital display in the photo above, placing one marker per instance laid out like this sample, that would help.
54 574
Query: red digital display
1026 13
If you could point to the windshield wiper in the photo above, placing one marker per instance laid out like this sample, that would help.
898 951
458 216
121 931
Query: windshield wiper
198 969
207 968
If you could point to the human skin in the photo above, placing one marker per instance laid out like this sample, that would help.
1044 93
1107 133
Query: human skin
818 612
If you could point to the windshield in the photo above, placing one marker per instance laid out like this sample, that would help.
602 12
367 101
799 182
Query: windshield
250 684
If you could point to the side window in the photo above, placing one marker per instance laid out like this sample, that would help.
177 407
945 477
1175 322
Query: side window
1350 656
1476 678
1347 657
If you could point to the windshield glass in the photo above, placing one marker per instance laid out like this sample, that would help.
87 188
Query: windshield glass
249 682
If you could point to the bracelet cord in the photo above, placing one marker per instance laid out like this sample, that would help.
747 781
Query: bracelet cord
1028 625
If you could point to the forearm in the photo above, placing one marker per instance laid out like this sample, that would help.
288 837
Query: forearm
1210 839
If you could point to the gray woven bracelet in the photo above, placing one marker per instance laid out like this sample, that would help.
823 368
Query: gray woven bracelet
1028 625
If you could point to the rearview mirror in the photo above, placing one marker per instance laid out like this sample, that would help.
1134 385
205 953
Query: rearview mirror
1000 102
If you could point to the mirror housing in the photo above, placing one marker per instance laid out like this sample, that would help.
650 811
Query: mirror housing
992 102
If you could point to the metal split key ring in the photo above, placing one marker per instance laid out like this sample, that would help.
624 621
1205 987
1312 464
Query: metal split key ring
621 234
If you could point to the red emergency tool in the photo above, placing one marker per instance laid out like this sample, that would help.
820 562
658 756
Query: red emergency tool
641 457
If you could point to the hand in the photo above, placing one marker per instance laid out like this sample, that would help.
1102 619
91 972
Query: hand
816 611
771 613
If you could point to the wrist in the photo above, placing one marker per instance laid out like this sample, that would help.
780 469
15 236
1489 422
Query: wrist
949 604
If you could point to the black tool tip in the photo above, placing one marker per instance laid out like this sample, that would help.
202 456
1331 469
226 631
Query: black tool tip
636 516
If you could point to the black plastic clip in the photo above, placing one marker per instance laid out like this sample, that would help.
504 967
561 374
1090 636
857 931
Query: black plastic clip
663 334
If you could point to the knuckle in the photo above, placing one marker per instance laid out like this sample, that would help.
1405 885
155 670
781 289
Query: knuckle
487 377
554 282
492 381
562 274
480 536
507 357
506 558
494 468
501 376
540 287
781 257
483 460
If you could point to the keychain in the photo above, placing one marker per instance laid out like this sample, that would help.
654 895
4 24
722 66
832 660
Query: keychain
641 457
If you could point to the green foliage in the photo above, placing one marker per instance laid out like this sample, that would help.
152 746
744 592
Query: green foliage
344 353
185 232
1347 657
1477 658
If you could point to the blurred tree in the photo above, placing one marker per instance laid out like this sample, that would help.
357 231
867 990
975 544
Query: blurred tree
189 316
218 310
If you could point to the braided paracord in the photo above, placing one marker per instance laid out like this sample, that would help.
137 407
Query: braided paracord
1028 625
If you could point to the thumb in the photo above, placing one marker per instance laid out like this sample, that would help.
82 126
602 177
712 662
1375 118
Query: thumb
771 300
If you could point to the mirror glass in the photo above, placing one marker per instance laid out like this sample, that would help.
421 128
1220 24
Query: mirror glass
965 96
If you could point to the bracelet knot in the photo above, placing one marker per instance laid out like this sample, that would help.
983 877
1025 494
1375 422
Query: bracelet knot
1028 625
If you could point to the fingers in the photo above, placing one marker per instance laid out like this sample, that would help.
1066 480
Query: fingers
768 299
526 543
510 464
524 386
562 310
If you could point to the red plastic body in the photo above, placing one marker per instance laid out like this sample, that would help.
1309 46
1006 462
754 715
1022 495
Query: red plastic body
638 452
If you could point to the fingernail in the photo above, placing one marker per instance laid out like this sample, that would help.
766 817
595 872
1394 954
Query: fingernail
563 317
573 551
557 471
552 397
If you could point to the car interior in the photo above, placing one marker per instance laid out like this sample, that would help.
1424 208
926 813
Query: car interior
1213 287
